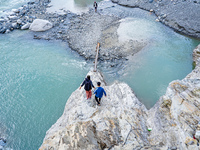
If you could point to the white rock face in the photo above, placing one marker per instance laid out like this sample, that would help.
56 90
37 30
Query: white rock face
19 21
121 122
26 26
40 25
84 125
15 10
197 135
13 17
14 25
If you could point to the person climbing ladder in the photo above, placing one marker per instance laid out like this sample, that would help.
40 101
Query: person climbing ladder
99 93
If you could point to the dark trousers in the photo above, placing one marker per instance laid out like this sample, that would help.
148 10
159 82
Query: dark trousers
98 100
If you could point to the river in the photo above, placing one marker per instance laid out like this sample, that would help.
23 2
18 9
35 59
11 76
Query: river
38 76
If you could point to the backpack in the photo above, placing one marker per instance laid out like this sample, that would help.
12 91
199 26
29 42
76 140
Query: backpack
87 85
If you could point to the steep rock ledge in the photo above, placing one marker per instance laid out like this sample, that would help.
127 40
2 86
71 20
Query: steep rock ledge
122 121
83 125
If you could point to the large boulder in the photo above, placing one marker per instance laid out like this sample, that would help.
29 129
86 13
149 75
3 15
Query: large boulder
40 25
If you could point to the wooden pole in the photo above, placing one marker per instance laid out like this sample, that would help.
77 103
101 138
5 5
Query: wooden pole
96 58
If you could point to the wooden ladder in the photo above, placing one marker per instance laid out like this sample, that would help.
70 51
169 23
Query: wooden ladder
96 58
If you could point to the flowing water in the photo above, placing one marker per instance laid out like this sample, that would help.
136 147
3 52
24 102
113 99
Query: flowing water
6 5
37 76
166 57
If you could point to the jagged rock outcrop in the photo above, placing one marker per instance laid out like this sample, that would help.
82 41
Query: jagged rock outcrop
83 125
122 121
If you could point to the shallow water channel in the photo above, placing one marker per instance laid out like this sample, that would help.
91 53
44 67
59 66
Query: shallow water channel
167 56
7 5
37 76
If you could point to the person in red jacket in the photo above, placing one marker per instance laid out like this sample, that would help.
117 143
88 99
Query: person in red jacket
88 87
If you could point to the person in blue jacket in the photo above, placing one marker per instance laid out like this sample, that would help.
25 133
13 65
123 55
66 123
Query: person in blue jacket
99 93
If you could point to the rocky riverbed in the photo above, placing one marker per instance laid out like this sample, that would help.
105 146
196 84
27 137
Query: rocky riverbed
123 122
84 31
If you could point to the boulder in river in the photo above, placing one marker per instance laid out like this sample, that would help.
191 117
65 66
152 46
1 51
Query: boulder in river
40 25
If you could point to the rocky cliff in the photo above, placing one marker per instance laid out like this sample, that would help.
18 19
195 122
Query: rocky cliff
123 122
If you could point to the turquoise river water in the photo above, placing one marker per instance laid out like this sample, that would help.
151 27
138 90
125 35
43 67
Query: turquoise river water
37 77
